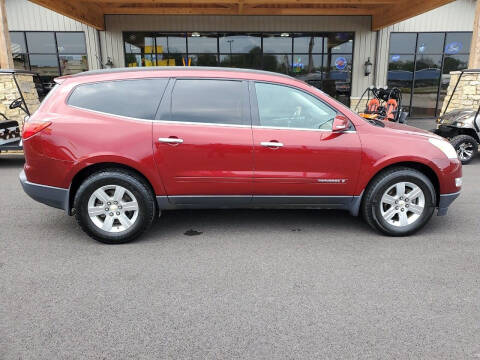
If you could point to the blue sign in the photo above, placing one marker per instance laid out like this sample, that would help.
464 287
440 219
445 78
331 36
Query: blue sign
340 63
395 58
453 48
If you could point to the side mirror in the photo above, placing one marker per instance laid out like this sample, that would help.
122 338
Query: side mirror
340 123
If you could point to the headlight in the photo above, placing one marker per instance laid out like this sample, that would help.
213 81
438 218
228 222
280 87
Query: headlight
445 147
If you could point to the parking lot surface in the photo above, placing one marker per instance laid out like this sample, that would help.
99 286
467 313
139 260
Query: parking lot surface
249 284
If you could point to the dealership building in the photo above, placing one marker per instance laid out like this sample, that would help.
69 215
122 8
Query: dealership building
341 47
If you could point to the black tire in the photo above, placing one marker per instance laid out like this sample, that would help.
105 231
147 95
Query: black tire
380 184
147 209
469 142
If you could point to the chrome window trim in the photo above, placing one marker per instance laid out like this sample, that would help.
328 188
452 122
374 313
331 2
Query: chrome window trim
302 129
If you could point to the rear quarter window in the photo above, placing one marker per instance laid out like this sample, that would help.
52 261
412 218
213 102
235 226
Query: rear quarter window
136 98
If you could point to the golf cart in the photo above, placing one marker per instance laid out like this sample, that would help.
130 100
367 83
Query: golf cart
383 103
461 127
10 136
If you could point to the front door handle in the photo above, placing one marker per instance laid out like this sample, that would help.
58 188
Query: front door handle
170 140
271 144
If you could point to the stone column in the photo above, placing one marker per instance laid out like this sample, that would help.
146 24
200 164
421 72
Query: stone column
6 60
467 94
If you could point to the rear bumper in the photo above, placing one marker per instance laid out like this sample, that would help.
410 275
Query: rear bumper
445 201
48 195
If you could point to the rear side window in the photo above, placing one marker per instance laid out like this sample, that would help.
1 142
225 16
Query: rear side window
208 101
132 98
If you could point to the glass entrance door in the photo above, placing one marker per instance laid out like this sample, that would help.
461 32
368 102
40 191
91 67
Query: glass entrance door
420 63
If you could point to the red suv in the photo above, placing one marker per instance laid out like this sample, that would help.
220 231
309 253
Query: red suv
116 148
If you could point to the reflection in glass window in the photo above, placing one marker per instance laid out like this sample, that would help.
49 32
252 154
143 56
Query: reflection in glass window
324 60
132 98
208 101
40 54
41 42
278 63
71 42
252 60
47 68
202 44
203 60
430 43
339 43
415 66
282 106
303 43
20 61
277 44
72 64
403 43
458 43
17 39
239 43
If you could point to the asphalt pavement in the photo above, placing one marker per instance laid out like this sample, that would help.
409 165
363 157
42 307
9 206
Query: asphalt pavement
238 284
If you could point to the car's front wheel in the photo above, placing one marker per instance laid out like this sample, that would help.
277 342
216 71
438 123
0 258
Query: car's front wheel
114 206
399 201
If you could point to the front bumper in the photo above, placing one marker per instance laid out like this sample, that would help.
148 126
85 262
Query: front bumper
48 195
445 201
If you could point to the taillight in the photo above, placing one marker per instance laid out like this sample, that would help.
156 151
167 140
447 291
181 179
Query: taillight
33 127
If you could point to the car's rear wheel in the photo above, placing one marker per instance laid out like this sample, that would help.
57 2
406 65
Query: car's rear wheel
399 201
466 147
114 206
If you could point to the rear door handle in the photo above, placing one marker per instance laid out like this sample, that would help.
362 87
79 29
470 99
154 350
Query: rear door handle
170 140
271 144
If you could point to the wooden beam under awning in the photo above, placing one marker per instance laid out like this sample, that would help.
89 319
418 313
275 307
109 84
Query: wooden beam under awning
86 12
383 12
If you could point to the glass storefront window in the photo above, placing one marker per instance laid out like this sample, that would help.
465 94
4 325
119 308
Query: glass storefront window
430 43
202 44
17 39
277 43
324 60
339 43
403 43
203 60
303 43
280 63
420 63
239 43
50 54
72 64
41 42
71 43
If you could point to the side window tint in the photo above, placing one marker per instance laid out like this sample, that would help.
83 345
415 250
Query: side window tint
132 98
283 106
208 101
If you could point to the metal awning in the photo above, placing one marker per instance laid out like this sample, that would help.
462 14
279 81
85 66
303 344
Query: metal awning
383 12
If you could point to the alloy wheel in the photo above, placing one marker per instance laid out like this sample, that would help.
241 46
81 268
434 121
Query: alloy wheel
402 204
113 208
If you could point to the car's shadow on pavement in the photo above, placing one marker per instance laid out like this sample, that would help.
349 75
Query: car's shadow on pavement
254 222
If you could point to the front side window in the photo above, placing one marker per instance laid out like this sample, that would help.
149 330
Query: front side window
208 101
137 98
285 107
